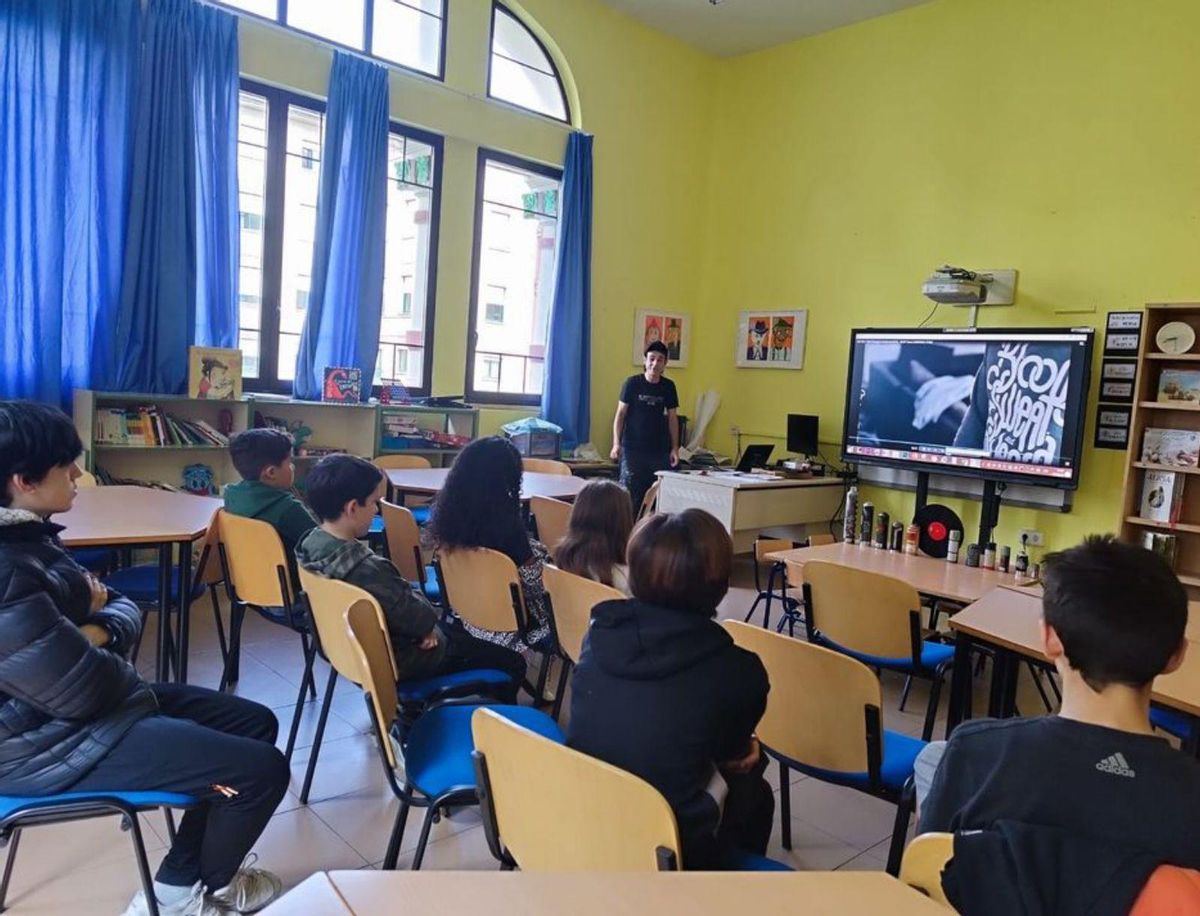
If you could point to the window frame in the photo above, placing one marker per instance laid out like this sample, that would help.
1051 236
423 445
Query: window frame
498 6
275 166
280 20
472 394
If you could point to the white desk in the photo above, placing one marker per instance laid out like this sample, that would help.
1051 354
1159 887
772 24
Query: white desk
752 504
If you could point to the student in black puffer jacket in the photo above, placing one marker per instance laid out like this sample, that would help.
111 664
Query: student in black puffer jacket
76 716
662 691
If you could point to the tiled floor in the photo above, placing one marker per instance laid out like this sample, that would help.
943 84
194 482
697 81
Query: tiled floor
89 867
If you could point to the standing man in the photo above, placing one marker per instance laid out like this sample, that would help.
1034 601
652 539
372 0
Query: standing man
646 426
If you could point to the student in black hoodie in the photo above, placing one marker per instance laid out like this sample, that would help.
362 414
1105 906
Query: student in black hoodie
662 691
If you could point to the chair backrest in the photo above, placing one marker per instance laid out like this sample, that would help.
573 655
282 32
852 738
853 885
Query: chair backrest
401 462
254 554
864 611
403 541
650 500
552 517
572 598
483 587
1170 891
209 570
329 600
764 546
924 860
815 710
558 810
369 639
819 540
546 466
85 479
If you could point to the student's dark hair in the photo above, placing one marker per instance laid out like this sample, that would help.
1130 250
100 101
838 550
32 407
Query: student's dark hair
657 347
480 503
337 479
34 439
680 561
255 450
1118 609
598 532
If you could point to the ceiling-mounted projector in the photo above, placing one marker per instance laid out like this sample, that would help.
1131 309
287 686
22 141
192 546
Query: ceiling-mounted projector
956 286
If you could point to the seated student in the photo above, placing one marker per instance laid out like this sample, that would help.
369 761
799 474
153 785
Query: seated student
662 691
597 534
76 717
263 457
345 491
1114 618
480 506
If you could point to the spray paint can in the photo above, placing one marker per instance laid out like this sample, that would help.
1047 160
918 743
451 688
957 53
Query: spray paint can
897 543
912 540
1037 571
866 530
953 546
882 527
850 515
1005 556
973 555
1021 567
989 556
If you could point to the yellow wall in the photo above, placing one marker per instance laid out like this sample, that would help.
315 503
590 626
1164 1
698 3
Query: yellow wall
1058 138
646 99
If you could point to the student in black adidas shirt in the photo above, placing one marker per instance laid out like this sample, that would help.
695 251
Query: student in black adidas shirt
1114 619
646 425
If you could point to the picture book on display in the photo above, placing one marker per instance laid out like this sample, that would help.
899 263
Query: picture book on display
343 384
214 373
1177 448
1179 385
1162 496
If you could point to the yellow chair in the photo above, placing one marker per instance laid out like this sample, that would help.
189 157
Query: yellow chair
402 537
776 573
546 466
577 814
570 599
877 620
924 860
824 718
650 501
257 577
387 463
85 479
552 517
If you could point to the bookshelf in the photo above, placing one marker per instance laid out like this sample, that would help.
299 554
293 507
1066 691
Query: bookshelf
400 430
1148 412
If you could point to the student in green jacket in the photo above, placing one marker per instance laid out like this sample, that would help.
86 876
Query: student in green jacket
344 492
264 459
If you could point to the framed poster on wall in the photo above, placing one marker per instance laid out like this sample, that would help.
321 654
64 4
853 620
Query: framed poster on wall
771 340
674 329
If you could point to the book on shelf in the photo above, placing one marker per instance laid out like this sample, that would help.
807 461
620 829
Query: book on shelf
150 427
1179 385
1162 496
1177 448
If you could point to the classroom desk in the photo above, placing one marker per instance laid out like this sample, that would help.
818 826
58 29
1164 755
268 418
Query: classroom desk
143 517
428 481
1008 619
601 894
951 581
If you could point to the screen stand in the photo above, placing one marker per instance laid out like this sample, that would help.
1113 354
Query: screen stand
922 491
989 511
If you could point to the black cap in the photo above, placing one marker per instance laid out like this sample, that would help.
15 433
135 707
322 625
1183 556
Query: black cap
657 347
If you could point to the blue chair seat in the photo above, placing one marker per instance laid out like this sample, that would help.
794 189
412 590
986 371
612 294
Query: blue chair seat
1173 722
421 689
93 558
421 514
29 804
932 655
433 589
741 860
899 753
437 755
140 583
376 528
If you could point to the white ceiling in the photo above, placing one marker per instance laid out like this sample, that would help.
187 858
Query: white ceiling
737 26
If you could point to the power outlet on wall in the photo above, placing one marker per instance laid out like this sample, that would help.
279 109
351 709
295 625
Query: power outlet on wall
1035 537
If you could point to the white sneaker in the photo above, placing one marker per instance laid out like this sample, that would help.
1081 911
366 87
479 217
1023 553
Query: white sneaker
250 890
193 904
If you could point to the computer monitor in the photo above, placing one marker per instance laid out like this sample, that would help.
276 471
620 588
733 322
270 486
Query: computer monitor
755 456
802 434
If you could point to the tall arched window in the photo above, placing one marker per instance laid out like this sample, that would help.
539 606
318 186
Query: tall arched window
521 70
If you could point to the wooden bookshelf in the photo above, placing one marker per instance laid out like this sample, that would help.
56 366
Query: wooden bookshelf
456 421
1148 412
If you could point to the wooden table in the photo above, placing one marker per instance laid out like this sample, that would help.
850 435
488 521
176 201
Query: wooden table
1008 620
951 581
602 894
427 481
144 517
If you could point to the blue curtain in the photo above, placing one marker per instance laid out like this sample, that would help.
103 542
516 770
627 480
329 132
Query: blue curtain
566 393
188 69
341 327
67 77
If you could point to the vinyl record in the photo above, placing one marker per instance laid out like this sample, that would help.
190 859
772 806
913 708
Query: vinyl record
936 522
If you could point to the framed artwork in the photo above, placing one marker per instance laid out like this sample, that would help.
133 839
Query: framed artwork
214 373
673 328
343 385
771 340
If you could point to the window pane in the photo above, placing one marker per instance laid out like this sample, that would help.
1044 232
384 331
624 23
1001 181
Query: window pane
266 8
252 177
341 21
521 72
403 33
301 183
516 279
512 40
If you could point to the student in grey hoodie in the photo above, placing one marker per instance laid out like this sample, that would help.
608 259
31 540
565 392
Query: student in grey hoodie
344 492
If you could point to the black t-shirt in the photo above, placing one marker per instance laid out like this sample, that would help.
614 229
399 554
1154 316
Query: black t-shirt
1085 779
646 421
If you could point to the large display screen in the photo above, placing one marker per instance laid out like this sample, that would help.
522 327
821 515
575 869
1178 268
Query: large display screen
997 404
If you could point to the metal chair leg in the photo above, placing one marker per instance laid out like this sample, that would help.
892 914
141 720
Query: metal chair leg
785 805
139 847
309 652
904 809
305 681
393 849
1037 682
426 826
9 861
169 816
935 695
559 692
216 606
316 748
229 675
904 692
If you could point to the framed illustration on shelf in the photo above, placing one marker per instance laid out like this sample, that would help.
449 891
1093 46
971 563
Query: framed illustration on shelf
771 340
672 328
343 385
214 373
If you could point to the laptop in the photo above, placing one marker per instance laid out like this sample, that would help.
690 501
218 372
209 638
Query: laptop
755 456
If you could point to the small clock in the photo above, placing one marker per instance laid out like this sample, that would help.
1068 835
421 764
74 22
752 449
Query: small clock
1175 337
